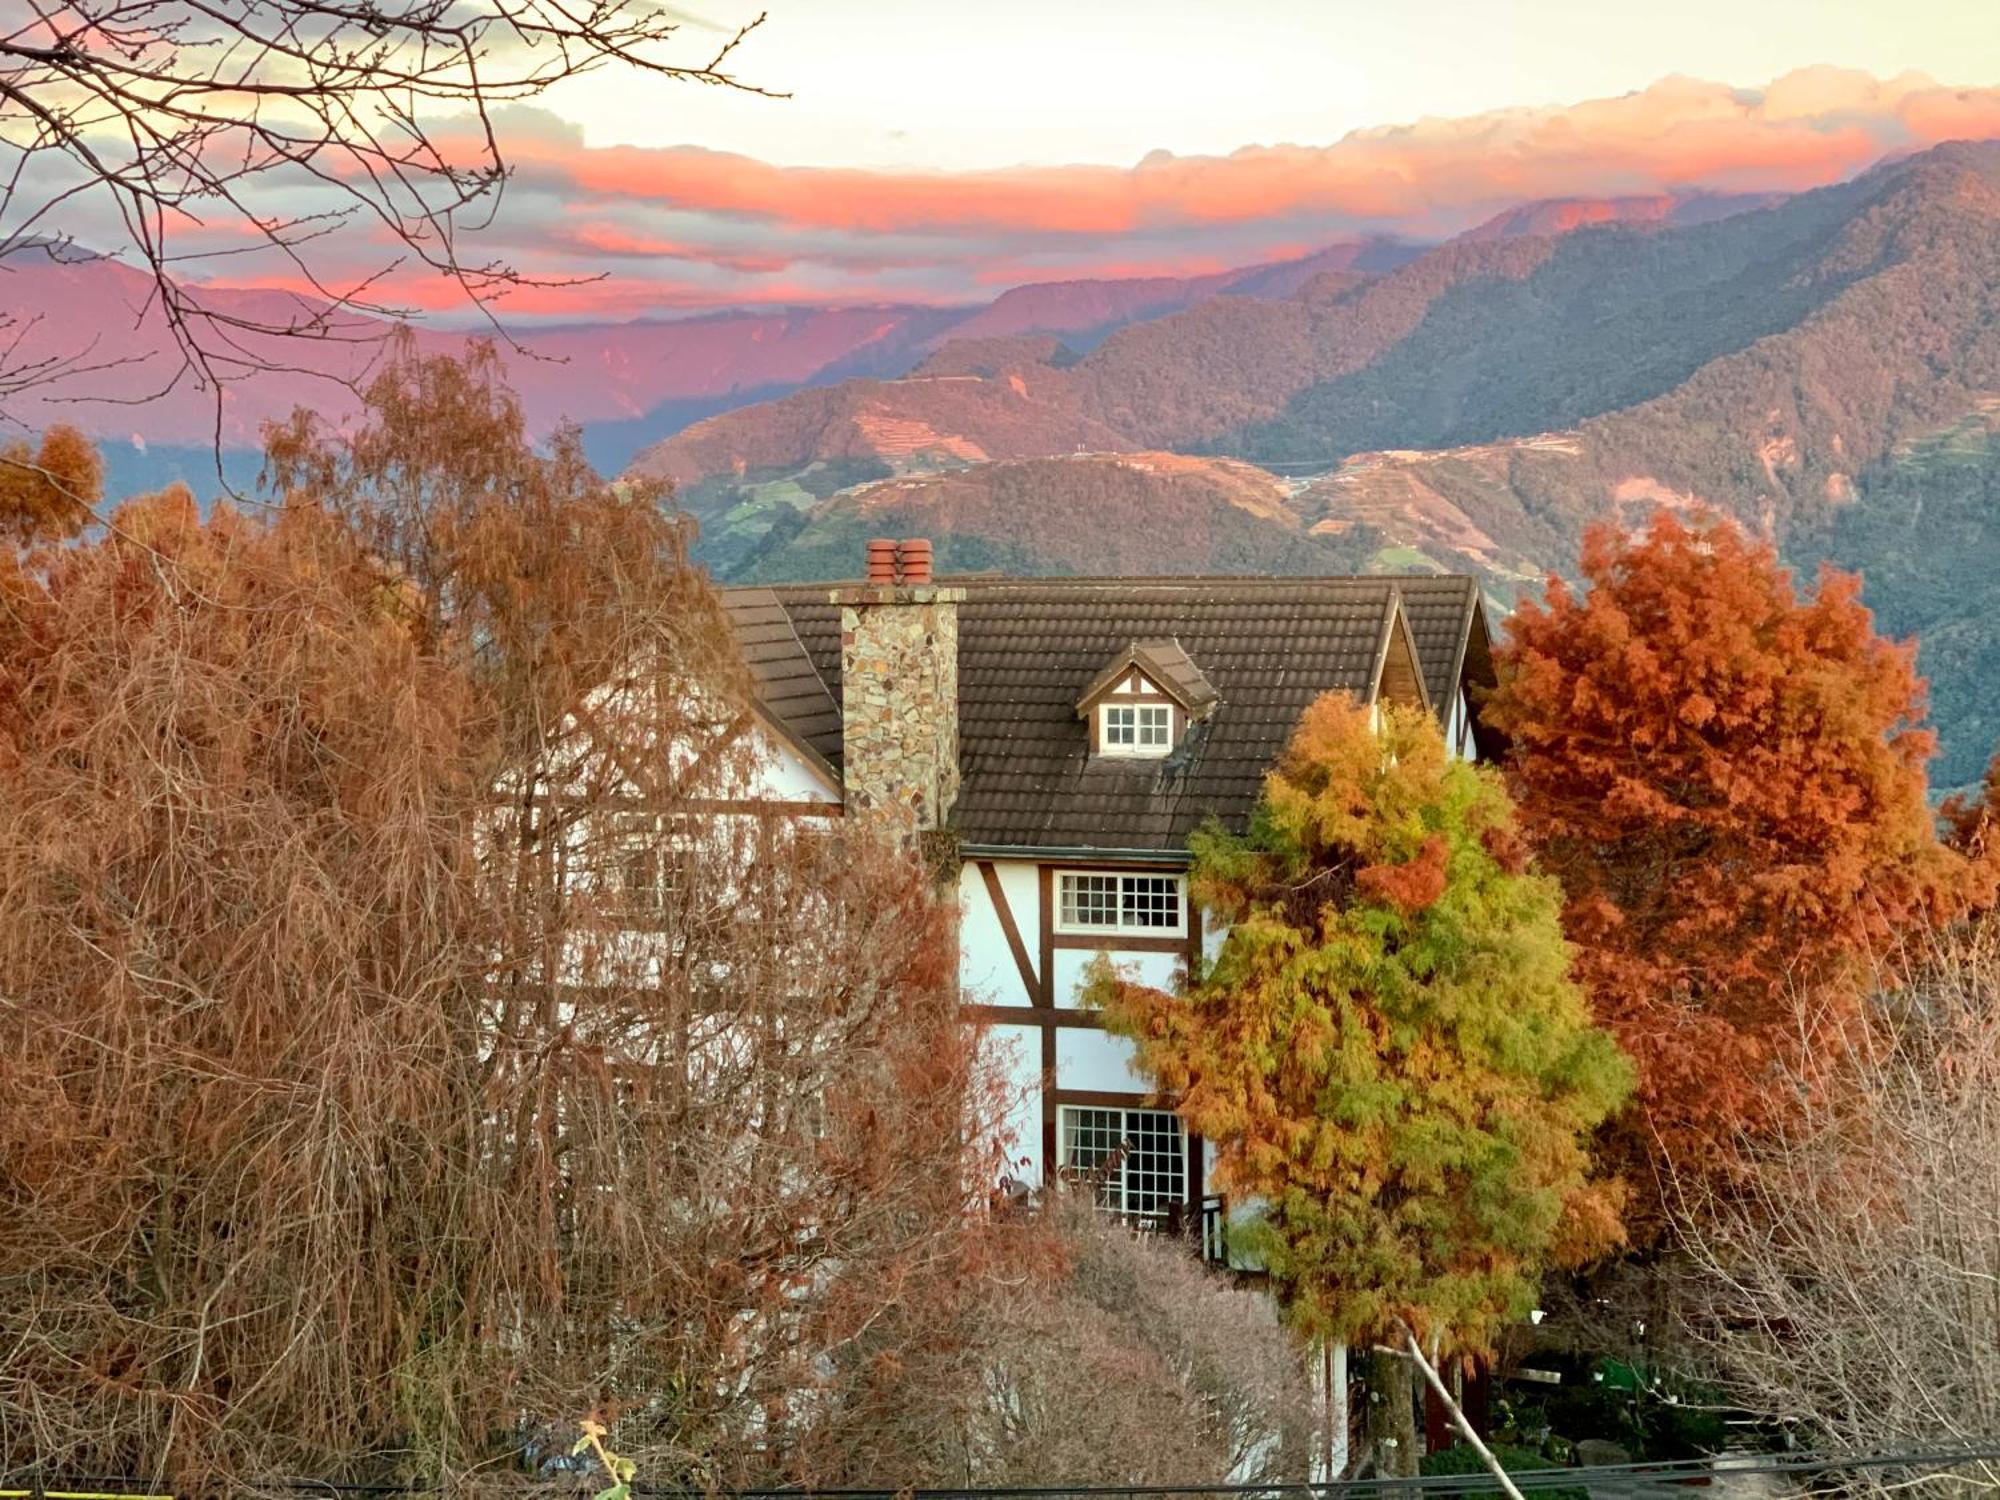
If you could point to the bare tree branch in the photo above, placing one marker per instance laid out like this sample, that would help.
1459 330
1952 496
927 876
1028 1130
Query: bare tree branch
1848 1285
164 119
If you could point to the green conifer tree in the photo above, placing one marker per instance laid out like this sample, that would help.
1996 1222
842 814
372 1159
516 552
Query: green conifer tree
1388 1051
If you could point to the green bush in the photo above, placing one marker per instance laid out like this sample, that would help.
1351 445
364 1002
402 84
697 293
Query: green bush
1462 1458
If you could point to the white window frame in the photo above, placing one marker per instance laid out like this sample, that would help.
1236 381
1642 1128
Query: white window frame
1121 1195
635 860
1120 881
1151 729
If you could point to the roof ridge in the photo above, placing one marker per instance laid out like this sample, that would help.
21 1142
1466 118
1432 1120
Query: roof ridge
985 582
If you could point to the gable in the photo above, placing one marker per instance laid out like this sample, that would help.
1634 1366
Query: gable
1401 678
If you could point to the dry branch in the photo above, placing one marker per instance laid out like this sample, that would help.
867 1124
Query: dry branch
295 125
1849 1286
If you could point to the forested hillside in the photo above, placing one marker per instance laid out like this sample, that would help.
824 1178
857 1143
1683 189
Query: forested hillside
1925 535
1807 366
1093 513
1596 321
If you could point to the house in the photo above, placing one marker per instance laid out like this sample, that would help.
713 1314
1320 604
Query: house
1062 738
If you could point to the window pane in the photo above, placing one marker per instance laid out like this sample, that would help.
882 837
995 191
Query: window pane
627 861
1155 1161
1139 1156
1155 725
1090 900
1150 901
1118 726
1090 1136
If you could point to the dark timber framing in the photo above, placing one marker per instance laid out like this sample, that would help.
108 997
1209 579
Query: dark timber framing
1063 1017
1037 976
1045 885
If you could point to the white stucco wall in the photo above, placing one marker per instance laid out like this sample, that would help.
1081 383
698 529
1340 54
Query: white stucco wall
1088 1060
987 973
781 774
1157 969
1458 729
1013 1053
1094 1060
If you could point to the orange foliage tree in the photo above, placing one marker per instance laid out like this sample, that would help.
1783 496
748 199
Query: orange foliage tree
1728 780
1972 825
47 490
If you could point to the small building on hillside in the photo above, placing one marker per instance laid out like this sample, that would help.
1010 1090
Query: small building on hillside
1063 738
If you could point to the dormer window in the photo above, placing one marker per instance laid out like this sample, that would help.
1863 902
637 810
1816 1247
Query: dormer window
1136 728
1141 706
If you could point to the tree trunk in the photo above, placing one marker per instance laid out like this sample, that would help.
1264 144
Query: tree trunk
1438 1391
1392 1415
1329 1378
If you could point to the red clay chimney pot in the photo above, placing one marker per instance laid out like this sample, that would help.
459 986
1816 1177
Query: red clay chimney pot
913 560
882 560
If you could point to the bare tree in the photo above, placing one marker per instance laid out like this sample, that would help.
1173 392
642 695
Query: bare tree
290 121
1117 1358
1849 1285
410 1032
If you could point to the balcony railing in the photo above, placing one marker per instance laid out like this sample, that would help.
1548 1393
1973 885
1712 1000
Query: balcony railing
1203 1227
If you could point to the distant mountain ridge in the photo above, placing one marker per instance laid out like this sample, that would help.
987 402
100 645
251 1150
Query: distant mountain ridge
1757 360
626 383
1221 375
1793 363
1553 216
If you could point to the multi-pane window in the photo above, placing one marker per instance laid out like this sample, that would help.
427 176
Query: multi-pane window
1136 729
1090 901
1112 903
1137 1157
630 868
640 861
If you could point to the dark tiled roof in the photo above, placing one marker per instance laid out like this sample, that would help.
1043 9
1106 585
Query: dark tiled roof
1440 612
788 681
1028 647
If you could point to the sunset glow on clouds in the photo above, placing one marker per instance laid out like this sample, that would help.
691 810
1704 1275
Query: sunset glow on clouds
681 227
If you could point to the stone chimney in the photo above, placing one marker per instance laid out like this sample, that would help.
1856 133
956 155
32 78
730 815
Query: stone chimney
899 688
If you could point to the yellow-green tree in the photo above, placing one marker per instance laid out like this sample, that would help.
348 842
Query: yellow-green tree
1388 1051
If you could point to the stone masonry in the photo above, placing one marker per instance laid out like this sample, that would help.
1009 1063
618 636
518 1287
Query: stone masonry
899 710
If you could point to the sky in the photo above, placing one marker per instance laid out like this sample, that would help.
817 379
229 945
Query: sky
949 85
934 151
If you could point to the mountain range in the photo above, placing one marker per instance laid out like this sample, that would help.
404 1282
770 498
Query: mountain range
626 384
1824 366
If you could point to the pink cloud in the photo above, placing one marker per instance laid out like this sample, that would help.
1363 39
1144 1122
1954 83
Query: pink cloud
1806 129
610 239
685 227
